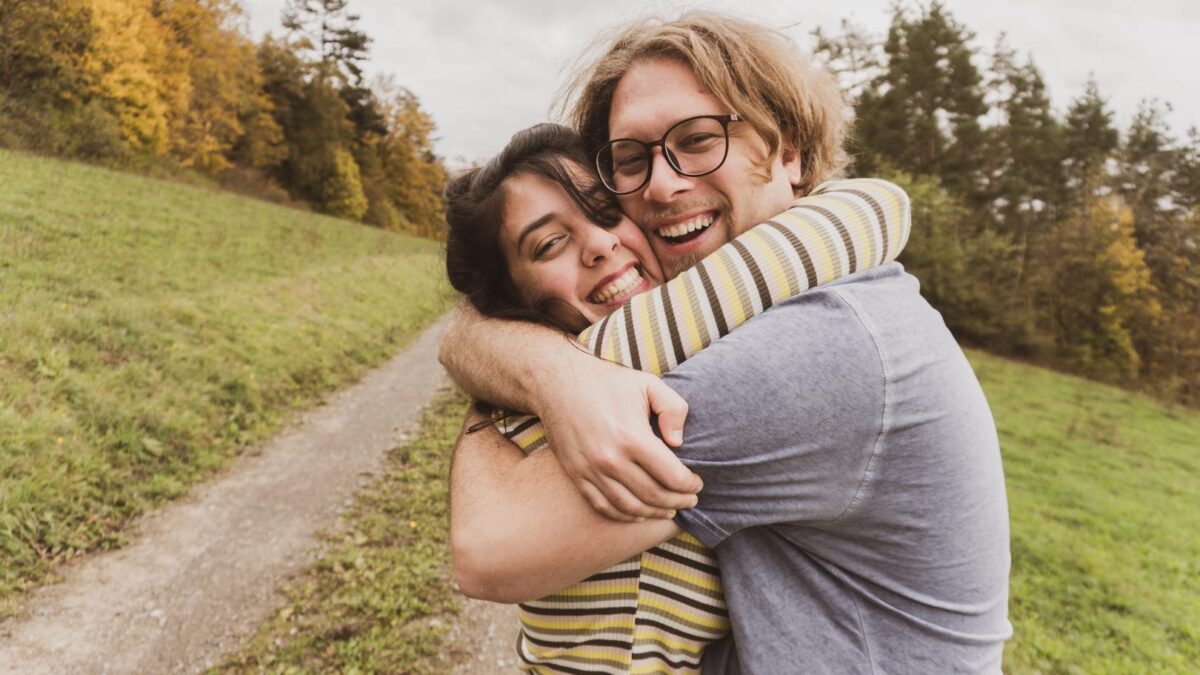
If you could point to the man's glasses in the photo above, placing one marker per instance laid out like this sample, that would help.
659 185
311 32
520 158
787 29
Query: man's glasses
694 147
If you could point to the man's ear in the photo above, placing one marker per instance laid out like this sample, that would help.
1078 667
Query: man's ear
791 165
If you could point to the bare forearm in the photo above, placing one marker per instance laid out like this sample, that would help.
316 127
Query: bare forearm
513 364
519 528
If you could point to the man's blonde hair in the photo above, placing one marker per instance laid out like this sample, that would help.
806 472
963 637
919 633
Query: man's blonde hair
757 71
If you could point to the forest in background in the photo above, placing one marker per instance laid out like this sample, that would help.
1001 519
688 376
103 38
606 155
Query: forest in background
169 85
1056 237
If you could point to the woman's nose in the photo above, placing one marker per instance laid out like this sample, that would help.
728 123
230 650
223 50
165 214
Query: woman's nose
600 244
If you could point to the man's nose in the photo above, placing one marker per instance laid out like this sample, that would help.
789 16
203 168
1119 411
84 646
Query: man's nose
665 182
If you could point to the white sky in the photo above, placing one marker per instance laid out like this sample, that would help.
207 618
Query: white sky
486 68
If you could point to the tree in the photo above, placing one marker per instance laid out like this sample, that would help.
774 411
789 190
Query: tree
216 63
1089 137
128 66
1096 295
1023 178
325 32
922 113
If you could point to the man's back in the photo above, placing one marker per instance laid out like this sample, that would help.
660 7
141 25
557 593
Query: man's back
853 486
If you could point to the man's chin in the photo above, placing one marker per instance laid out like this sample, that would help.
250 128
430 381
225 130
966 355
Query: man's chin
675 266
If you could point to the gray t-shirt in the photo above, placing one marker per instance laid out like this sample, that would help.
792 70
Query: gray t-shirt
852 487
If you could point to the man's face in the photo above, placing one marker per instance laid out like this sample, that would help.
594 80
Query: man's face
687 218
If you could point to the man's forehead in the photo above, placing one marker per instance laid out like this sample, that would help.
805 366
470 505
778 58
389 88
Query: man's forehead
655 93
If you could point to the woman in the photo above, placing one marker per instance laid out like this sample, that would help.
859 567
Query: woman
533 237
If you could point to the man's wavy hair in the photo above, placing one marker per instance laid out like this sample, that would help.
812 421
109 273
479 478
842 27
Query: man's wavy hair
475 206
757 71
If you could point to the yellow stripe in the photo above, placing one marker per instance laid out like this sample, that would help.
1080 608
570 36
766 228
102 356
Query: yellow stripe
726 277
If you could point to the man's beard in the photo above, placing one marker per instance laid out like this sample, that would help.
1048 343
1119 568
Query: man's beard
676 266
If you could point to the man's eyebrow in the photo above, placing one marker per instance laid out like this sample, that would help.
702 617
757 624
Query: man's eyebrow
528 229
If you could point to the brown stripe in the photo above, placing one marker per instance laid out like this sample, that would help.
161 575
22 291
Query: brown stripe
764 293
851 253
672 325
713 300
635 359
810 271
878 209
600 339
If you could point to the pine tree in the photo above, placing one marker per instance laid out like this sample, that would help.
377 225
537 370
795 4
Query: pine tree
922 114
1089 136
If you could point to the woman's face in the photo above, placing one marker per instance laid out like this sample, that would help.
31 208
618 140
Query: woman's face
554 251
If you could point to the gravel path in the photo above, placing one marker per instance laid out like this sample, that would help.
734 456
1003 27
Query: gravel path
202 572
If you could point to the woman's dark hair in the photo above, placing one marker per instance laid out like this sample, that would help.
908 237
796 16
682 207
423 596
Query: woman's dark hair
475 207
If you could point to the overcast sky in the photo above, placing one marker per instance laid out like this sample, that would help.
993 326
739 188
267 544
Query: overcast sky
485 68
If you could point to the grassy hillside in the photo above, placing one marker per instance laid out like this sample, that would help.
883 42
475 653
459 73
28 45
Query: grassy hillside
150 331
1104 498
1102 489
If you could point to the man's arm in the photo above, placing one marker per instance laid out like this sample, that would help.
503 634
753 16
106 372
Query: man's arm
617 462
520 530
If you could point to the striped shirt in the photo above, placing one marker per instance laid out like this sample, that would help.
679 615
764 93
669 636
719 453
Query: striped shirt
655 612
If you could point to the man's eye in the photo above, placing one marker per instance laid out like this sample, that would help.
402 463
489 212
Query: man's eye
698 142
631 164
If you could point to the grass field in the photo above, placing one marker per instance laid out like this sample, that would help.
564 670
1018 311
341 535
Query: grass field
1104 498
150 331
1103 493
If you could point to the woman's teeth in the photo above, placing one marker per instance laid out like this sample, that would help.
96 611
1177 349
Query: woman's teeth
625 283
686 227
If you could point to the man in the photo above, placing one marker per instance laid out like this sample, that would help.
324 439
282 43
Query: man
852 480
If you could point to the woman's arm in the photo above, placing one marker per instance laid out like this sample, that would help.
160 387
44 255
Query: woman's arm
510 549
611 452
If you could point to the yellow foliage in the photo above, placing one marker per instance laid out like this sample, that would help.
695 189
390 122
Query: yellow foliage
127 65
214 64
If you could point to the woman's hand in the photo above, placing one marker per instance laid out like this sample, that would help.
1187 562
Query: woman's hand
598 423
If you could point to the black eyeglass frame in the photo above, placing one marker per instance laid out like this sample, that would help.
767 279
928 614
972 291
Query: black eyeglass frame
725 121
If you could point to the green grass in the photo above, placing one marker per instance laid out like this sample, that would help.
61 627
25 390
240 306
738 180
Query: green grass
1104 498
1102 488
379 601
150 331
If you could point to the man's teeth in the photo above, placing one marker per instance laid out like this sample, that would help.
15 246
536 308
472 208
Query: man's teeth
625 283
680 229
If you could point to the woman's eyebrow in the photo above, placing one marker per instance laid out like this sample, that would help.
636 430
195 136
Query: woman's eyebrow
525 231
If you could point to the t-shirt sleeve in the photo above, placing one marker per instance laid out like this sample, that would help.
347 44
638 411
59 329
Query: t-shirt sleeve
784 416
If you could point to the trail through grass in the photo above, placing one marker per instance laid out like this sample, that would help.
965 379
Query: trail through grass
150 331
380 600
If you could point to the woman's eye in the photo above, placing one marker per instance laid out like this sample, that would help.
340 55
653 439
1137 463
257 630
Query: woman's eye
548 245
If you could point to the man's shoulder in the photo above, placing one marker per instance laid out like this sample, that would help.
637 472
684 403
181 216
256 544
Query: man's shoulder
812 336
841 330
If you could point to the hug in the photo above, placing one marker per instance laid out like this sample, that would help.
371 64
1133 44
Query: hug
719 429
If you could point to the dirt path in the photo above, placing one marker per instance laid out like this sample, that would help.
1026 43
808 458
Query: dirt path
202 572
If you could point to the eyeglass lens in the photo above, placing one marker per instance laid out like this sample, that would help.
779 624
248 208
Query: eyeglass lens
693 147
